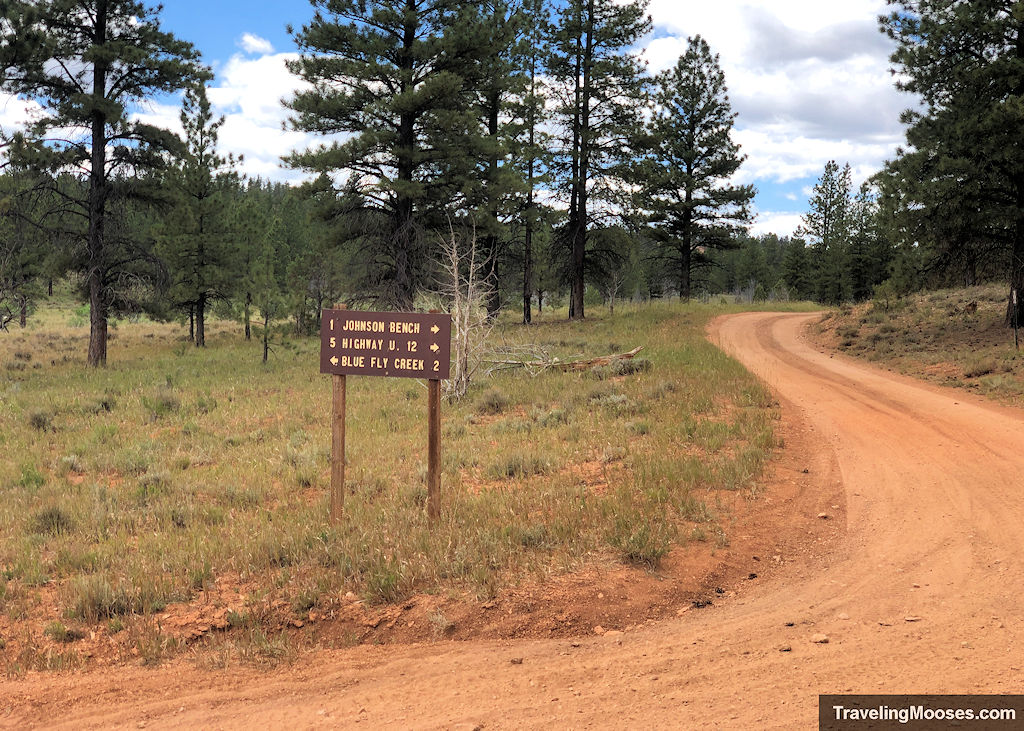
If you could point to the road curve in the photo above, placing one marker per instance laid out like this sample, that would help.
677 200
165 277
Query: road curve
922 594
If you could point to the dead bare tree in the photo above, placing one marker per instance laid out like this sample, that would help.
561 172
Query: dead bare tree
464 288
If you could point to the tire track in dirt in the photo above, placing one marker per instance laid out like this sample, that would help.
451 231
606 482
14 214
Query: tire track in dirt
921 595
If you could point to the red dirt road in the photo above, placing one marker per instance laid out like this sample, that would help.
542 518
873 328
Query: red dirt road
924 593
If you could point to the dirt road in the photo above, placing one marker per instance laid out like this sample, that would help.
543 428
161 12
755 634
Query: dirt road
923 594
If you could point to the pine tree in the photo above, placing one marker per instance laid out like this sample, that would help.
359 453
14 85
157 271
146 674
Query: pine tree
826 227
691 158
396 76
265 288
529 139
960 184
869 252
200 245
500 80
251 223
795 271
86 62
599 95
25 243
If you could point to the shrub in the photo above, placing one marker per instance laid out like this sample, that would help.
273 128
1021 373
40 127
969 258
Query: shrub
552 418
638 540
93 598
622 367
492 402
384 580
51 521
41 421
161 405
979 367
31 478
59 633
519 466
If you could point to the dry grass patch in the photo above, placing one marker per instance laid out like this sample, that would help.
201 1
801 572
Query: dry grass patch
155 478
951 337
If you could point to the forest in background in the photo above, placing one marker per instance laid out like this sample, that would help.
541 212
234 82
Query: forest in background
526 128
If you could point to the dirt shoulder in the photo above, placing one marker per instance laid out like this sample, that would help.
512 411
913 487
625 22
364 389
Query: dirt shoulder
955 338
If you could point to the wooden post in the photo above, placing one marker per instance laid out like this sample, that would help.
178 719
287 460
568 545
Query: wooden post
434 448
434 451
338 446
1016 339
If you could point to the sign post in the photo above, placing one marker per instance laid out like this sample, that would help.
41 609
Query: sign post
434 450
391 344
337 444
1016 339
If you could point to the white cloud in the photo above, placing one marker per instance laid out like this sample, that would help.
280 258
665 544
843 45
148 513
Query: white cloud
15 113
248 92
251 43
809 81
781 223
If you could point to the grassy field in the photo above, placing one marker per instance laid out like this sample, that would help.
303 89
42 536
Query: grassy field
951 337
140 485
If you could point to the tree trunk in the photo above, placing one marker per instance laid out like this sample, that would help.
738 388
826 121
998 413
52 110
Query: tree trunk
540 301
191 324
97 321
97 201
579 242
528 217
527 268
574 165
686 251
1017 259
491 242
23 310
248 315
201 321
405 151
1017 256
266 337
49 287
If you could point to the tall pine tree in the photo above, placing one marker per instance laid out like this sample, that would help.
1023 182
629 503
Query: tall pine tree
691 157
960 183
397 77
200 246
86 62
529 138
599 92
826 227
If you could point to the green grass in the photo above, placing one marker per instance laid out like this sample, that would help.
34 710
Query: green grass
140 484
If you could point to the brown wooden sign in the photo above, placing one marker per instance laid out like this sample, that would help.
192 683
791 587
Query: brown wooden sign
393 344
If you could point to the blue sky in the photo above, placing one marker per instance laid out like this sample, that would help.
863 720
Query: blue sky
215 27
809 81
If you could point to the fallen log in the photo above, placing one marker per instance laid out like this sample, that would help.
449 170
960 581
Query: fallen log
538 365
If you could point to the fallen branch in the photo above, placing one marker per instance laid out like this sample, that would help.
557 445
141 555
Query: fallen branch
539 364
603 360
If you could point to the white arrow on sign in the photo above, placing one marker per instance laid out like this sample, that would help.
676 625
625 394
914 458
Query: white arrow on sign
434 348
334 360
435 329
